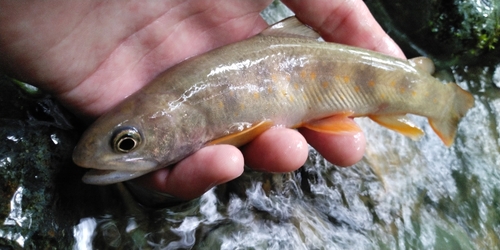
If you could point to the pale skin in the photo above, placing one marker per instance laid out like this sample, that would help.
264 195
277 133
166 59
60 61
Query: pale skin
92 54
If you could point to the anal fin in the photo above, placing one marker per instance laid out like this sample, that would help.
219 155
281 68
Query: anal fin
243 137
445 129
399 123
336 124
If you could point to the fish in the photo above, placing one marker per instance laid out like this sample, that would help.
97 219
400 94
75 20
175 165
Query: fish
284 76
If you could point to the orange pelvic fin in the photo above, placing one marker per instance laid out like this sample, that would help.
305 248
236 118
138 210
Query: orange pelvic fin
243 137
399 123
336 124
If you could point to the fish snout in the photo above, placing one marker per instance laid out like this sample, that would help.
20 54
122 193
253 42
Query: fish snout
81 156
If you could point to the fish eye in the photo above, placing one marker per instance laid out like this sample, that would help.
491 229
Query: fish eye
126 139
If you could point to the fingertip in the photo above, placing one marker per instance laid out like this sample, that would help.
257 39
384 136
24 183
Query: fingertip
389 47
347 22
276 150
339 149
195 175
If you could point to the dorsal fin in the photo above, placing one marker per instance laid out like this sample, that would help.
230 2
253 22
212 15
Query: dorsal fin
290 27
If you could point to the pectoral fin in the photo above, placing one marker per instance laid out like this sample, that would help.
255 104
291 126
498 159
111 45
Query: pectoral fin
336 124
399 123
243 137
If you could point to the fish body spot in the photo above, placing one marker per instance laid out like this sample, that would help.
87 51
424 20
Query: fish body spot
357 89
346 79
371 83
274 78
324 84
313 76
303 74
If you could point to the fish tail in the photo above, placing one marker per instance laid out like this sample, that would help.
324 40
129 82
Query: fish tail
446 124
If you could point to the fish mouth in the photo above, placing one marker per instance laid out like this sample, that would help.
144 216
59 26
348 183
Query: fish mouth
122 163
106 177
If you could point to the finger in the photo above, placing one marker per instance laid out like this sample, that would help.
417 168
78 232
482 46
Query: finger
196 174
347 22
276 150
342 150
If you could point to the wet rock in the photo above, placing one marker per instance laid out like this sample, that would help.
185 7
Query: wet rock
450 32
36 142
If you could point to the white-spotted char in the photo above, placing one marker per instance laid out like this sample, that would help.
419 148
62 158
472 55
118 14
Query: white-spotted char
281 77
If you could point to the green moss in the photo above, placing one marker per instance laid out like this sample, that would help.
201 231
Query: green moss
474 25
36 144
454 32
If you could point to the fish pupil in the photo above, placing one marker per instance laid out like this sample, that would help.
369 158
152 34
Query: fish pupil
126 144
126 139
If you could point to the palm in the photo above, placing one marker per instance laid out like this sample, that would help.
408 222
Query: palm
104 52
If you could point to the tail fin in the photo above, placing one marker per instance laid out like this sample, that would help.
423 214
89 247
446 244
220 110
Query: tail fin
446 126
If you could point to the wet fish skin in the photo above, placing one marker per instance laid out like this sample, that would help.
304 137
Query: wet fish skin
280 77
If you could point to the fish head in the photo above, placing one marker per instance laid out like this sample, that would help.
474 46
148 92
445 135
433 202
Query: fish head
124 144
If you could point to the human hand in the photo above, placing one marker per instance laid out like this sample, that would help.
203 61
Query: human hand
92 54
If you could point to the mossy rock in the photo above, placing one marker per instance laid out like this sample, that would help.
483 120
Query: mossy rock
452 32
